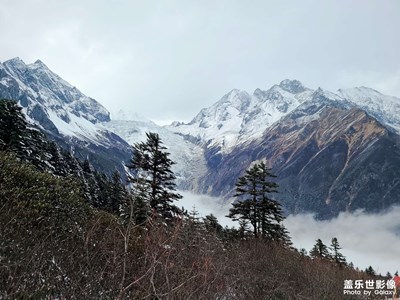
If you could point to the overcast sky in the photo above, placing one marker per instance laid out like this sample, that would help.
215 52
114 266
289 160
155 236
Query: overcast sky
168 59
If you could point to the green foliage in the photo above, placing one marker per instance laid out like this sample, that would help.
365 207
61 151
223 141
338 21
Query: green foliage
303 252
255 205
370 271
336 255
13 126
54 245
42 217
320 250
37 192
30 144
21 138
118 194
153 181
212 225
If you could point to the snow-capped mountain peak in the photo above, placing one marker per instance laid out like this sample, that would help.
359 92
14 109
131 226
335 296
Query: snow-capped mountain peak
292 86
50 101
239 117
235 97
322 94
39 63
385 109
15 66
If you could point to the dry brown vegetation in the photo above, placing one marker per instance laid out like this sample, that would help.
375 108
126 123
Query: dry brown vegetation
54 246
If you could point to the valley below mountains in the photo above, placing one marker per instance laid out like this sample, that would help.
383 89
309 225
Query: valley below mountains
331 152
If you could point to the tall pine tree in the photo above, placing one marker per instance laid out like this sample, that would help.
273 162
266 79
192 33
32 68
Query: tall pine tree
256 206
117 193
13 126
337 256
20 137
319 250
153 176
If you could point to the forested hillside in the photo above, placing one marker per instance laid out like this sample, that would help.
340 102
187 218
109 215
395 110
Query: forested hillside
70 232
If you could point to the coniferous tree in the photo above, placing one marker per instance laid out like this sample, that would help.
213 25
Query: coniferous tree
86 167
320 250
243 230
152 170
136 206
370 271
255 205
21 138
303 252
90 184
337 256
104 191
193 217
117 193
28 143
140 210
13 126
232 234
212 225
246 209
56 160
194 229
72 165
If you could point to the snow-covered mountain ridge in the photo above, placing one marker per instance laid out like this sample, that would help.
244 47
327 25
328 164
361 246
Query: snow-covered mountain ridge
239 117
239 121
51 102
385 109
68 116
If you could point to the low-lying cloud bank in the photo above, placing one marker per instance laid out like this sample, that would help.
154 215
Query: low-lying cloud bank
366 239
206 205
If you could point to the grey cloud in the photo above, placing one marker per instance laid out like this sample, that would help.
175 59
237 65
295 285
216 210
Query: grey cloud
167 60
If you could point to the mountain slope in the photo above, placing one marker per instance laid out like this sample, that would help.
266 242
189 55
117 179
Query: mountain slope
63 112
328 158
386 109
331 151
239 117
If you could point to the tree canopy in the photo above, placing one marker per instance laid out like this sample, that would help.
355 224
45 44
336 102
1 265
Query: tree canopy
256 206
153 181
